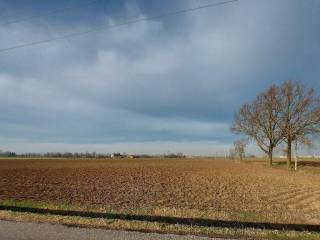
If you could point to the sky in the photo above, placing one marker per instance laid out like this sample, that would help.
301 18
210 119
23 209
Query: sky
162 86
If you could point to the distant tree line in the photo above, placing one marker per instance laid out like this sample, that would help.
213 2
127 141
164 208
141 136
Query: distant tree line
87 155
7 154
64 155
283 114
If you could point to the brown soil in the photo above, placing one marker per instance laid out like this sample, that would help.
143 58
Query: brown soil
202 185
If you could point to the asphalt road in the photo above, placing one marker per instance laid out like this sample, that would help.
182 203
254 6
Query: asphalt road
35 231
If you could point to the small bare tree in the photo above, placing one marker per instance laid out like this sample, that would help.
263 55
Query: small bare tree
232 153
240 148
259 121
300 114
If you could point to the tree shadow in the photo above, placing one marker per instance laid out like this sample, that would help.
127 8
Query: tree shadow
278 163
309 163
170 220
301 163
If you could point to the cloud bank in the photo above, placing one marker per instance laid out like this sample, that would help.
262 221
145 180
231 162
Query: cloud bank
151 86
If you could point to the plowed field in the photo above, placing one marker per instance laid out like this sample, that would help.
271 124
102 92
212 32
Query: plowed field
199 187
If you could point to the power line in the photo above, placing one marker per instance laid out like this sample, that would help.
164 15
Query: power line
48 13
105 27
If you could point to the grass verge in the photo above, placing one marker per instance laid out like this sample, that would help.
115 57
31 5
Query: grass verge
142 226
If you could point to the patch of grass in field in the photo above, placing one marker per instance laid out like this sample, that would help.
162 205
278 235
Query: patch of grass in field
159 227
247 216
44 205
74 207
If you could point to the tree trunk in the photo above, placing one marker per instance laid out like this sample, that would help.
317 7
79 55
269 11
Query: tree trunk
289 154
296 156
270 157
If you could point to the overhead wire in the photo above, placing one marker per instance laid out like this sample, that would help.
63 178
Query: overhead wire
106 27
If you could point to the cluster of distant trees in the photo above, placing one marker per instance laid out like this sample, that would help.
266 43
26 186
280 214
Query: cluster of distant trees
7 154
283 114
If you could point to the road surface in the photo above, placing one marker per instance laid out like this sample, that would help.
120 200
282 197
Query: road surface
36 231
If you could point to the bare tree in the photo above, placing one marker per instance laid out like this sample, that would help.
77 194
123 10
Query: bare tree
232 153
240 148
259 121
300 114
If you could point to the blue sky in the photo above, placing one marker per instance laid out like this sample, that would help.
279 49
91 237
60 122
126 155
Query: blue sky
167 85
